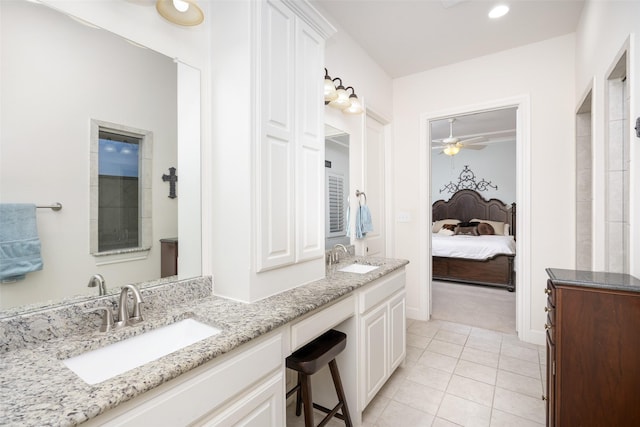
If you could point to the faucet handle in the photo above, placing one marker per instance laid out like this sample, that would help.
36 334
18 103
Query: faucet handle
107 317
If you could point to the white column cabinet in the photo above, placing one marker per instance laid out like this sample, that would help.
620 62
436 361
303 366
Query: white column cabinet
291 144
267 146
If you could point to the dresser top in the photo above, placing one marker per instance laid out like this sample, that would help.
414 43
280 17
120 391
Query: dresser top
594 279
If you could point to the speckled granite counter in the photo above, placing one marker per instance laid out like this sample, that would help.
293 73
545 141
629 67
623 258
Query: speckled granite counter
37 389
594 279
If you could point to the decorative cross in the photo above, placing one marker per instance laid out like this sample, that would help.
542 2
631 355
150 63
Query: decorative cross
172 178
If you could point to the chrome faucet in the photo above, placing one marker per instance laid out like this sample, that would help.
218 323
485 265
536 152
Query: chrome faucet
123 310
334 252
98 280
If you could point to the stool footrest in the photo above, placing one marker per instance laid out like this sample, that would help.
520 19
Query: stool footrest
331 413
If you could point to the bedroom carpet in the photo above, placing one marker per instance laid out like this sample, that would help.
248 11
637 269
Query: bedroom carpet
479 306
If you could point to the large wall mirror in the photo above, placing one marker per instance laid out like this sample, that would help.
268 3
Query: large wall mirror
336 186
58 78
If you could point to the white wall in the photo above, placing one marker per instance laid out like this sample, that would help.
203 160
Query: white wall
603 31
57 75
542 72
496 163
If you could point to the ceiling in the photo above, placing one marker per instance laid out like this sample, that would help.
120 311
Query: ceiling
409 36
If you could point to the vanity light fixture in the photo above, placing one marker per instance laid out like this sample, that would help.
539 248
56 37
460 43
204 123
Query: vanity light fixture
498 11
336 96
181 12
330 92
356 105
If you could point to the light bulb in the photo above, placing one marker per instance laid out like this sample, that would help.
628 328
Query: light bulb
181 5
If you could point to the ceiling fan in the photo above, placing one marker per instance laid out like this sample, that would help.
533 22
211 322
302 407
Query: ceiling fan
452 145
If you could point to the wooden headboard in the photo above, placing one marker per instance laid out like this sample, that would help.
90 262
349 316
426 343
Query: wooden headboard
468 204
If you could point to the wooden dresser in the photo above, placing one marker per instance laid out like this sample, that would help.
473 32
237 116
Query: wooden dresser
593 349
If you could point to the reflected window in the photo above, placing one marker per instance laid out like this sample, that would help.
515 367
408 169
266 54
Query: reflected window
118 191
120 211
336 205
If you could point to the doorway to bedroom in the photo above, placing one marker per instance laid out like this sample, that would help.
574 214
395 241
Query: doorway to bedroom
473 198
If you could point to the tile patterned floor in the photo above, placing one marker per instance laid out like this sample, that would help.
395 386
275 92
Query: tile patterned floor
457 375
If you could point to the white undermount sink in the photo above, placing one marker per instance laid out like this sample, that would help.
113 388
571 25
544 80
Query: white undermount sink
358 268
103 363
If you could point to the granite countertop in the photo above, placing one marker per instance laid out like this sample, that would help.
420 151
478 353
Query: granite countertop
37 389
594 279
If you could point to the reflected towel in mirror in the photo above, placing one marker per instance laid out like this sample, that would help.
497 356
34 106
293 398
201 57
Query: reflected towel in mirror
19 242
363 222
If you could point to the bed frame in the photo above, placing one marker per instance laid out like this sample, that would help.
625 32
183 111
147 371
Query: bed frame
497 271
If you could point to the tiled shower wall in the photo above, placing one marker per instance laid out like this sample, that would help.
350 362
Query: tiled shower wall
584 192
618 164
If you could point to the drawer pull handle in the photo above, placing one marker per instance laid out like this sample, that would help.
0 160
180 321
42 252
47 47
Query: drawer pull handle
547 291
547 326
547 309
544 397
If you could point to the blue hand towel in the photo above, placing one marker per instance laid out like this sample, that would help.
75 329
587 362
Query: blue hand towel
19 242
363 222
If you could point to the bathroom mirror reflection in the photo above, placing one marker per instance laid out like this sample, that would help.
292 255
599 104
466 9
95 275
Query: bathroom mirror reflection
59 75
336 186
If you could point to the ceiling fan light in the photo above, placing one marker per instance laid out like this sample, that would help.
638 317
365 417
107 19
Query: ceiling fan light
355 107
498 11
181 12
451 150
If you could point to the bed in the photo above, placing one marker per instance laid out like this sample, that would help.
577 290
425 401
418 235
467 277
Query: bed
461 255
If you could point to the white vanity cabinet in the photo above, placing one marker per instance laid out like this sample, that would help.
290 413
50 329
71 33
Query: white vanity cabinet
382 332
244 387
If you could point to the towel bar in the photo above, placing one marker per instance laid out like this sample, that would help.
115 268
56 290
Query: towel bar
54 206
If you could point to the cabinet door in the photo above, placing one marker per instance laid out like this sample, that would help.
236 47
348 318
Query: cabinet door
375 349
275 145
309 119
397 331
262 407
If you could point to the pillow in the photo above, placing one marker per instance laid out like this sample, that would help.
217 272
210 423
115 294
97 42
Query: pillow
485 229
467 230
450 227
438 224
498 227
446 231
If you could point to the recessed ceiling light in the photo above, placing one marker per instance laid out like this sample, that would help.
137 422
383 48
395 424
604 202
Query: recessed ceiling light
498 11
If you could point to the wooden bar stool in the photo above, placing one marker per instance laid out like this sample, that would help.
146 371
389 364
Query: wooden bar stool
308 360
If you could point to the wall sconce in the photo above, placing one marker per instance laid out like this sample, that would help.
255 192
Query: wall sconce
181 12
338 97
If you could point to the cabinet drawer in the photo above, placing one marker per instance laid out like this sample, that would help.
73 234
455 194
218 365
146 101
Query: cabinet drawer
381 290
316 324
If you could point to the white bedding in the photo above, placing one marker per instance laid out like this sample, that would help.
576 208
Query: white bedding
471 247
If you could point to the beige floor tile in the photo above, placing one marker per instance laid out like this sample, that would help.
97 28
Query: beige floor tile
519 351
396 414
487 334
431 377
530 408
519 366
472 390
476 371
485 344
441 422
504 419
464 412
454 327
452 337
479 356
519 383
438 361
375 407
413 353
419 396
418 341
392 385
422 328
446 348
